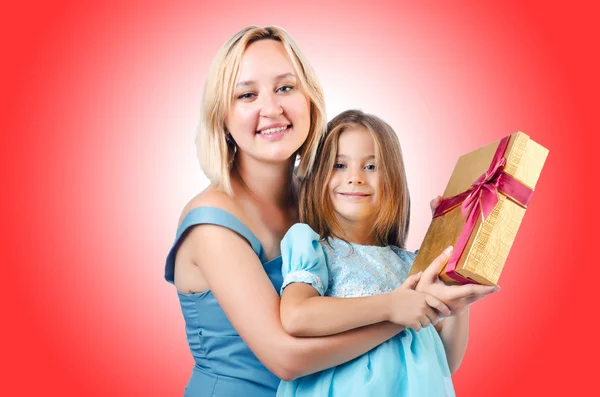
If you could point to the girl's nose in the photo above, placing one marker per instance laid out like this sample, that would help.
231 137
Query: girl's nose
356 179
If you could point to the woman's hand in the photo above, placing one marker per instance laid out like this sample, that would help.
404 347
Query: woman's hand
433 204
414 309
457 297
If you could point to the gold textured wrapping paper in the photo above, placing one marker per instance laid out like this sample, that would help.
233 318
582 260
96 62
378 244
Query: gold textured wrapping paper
489 243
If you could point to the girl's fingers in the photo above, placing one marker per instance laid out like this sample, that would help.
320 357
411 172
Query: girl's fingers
416 326
425 321
433 316
431 273
412 281
438 305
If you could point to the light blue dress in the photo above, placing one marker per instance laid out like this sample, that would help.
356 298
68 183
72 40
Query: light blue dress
224 365
410 364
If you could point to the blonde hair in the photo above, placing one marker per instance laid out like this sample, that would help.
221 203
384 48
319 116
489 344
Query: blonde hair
215 153
392 222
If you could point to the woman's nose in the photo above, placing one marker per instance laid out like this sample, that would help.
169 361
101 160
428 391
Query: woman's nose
270 106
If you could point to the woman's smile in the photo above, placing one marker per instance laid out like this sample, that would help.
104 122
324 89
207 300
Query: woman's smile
275 132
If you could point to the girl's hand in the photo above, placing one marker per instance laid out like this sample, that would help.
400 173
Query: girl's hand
457 297
413 309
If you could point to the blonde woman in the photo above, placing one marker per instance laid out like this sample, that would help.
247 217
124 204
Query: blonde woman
262 107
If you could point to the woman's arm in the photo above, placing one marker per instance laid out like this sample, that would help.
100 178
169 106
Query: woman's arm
454 332
245 293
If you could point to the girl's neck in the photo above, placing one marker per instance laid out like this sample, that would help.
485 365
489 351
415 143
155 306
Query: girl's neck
267 183
356 232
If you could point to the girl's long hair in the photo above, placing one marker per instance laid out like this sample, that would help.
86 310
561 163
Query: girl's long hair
316 210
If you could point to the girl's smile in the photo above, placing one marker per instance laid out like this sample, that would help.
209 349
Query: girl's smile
354 187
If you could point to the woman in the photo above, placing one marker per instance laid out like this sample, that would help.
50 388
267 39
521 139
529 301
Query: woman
262 107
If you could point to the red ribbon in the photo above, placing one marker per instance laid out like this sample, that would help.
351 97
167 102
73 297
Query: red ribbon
480 199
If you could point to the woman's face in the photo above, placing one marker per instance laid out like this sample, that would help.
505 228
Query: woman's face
270 115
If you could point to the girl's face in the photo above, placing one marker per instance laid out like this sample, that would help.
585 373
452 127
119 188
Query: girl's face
354 186
270 115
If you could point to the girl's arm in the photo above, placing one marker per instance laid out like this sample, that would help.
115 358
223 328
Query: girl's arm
238 281
305 313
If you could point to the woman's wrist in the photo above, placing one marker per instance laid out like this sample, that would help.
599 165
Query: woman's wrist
387 306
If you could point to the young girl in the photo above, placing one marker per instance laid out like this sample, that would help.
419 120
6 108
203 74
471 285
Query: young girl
356 202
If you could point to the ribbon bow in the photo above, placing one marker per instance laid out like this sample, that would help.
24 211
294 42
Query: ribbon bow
480 199
484 194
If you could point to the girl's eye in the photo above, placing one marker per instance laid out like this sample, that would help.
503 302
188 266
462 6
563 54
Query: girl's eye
285 88
370 167
339 166
246 95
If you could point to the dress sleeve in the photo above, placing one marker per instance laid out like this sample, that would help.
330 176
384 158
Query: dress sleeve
303 259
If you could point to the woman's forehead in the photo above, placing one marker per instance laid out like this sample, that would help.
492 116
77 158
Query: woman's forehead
265 59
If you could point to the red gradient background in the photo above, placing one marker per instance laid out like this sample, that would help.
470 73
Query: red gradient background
99 106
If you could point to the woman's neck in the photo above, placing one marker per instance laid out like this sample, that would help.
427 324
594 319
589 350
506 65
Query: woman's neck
267 183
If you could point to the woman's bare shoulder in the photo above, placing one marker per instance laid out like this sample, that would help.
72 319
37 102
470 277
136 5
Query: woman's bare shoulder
212 197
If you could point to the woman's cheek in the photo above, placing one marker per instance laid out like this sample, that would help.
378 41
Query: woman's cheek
244 118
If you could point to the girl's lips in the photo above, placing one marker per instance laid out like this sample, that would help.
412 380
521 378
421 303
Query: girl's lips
355 195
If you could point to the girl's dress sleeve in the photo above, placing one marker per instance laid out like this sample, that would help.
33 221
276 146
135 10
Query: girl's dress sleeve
303 259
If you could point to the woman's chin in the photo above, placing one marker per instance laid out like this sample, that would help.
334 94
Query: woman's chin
280 153
280 157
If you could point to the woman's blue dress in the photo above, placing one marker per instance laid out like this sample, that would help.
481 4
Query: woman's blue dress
225 366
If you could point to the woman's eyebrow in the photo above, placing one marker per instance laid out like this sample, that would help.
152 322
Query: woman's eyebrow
245 83
282 76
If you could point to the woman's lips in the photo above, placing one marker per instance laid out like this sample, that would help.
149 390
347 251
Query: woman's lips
275 135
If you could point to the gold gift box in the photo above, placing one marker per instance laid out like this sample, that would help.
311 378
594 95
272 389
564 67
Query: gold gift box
489 243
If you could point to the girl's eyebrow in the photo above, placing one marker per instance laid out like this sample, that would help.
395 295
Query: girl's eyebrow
282 76
343 156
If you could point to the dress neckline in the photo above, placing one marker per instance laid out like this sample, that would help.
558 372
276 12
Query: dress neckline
341 242
253 240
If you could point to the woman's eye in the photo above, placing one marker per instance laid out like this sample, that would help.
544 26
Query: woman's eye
370 167
246 95
285 88
339 166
